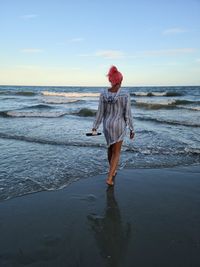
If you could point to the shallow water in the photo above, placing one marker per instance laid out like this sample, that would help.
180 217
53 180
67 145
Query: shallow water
44 147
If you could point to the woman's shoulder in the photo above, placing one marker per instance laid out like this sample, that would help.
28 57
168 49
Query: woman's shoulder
103 91
104 94
124 93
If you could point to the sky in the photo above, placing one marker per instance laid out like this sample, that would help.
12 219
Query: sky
74 42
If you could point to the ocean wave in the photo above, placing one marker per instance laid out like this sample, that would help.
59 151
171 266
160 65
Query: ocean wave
17 114
25 93
70 94
49 142
61 101
142 151
3 114
21 93
191 108
185 102
85 112
151 105
5 92
8 98
172 122
11 113
163 151
192 150
39 106
150 94
170 104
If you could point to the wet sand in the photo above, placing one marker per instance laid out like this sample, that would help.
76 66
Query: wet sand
150 218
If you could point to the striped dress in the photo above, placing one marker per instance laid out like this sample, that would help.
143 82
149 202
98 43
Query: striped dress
115 111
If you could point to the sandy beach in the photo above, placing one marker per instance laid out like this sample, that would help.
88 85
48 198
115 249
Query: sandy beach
150 218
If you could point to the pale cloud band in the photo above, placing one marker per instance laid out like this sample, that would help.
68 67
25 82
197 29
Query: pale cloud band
31 50
117 54
110 54
29 16
164 52
174 31
107 54
76 40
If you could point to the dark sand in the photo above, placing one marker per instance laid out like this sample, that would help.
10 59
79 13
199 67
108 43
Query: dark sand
150 218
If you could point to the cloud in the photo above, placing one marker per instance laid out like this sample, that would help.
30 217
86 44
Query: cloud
117 54
107 54
75 68
76 40
72 40
29 16
31 50
28 67
198 60
110 54
174 31
166 52
85 55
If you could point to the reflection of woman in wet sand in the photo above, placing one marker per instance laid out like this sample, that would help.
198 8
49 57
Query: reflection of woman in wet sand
112 238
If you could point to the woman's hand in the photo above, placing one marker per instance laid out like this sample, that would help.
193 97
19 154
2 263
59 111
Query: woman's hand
94 131
132 134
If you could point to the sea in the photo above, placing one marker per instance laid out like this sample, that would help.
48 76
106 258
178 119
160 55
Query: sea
43 142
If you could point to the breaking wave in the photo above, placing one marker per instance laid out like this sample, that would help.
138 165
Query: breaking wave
70 94
167 104
39 106
25 93
61 101
85 112
21 93
143 150
3 114
172 122
49 142
156 94
17 114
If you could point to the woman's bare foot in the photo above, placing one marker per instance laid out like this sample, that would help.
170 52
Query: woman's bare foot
110 182
115 174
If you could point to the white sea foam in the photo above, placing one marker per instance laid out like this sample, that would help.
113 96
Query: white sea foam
156 103
35 114
70 94
159 93
140 93
150 93
192 108
59 100
192 150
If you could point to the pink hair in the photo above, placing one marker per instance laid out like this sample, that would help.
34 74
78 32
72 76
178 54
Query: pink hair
114 76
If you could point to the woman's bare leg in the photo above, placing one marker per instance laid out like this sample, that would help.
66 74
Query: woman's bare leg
109 154
116 149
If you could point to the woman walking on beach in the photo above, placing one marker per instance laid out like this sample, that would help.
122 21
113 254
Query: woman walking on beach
115 110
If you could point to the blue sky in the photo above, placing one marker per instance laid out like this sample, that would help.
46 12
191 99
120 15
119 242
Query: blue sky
75 42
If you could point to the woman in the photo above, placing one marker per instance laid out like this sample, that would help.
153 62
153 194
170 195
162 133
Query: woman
115 110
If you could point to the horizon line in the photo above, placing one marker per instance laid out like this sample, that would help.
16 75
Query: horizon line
179 85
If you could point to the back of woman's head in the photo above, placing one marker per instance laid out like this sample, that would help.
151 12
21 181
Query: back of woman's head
114 76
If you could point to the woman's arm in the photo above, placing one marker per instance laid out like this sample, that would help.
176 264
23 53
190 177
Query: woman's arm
100 113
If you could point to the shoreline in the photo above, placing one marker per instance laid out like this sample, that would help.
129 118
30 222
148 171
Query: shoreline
150 218
63 187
